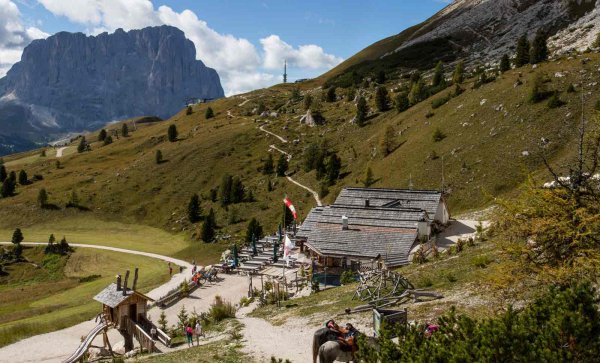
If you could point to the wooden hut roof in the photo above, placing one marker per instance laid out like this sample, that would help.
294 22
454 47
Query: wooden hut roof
113 298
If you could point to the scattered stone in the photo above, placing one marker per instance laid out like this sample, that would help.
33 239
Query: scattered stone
525 153
482 102
559 75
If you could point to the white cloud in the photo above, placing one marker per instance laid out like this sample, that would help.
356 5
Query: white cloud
306 56
240 65
13 35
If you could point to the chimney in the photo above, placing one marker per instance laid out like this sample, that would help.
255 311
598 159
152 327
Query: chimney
135 277
118 282
344 223
125 283
367 203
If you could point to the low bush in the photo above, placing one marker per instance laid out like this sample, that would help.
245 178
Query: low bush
221 310
439 102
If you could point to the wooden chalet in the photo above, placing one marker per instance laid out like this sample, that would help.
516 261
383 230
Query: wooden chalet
372 224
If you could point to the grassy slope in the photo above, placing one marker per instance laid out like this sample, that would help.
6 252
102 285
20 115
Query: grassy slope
482 154
38 300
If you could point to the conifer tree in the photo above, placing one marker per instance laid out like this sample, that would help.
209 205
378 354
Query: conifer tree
158 157
381 77
596 43
125 130
361 111
226 184
172 133
330 95
351 94
74 200
237 190
334 165
382 99
102 135
539 48
108 140
3 174
311 153
282 165
209 113
459 73
8 188
23 177
189 110
438 75
369 178
194 211
254 229
401 103
42 198
307 101
388 140
522 56
268 167
504 63
17 236
82 145
13 177
208 227
416 93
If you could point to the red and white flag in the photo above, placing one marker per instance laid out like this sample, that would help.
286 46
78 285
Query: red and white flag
288 203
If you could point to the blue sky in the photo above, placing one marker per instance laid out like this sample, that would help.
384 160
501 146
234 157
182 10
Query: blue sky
245 40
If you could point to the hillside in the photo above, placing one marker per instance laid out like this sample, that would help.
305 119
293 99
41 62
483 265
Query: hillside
491 145
479 31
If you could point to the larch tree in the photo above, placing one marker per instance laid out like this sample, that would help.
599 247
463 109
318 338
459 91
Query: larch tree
459 73
382 99
362 110
522 56
172 133
194 211
504 63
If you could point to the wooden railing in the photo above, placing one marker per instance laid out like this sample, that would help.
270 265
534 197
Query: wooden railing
145 340
161 336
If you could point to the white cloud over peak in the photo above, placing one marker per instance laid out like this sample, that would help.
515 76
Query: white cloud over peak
14 36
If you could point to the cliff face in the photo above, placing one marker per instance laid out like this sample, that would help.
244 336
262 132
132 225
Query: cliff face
72 82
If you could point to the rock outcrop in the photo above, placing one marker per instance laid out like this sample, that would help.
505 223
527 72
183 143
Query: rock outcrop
73 82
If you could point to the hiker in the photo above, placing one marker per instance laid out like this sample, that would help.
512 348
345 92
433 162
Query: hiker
170 269
189 332
198 332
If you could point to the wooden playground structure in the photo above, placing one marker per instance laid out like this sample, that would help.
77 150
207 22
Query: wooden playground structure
124 309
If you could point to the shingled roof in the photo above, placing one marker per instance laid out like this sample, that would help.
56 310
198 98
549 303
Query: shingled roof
427 200
113 298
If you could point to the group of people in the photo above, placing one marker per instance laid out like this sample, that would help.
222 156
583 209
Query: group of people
191 332
346 336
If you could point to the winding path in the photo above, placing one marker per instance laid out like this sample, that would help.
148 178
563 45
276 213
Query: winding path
289 157
59 151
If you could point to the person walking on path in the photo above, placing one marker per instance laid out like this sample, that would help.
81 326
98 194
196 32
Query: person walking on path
198 332
189 332
170 269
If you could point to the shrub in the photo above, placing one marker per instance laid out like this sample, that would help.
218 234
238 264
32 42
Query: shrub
429 114
419 256
439 102
438 135
481 261
555 101
189 110
209 113
460 245
158 157
221 310
347 277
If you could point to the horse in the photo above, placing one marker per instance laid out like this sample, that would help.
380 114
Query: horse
320 337
332 351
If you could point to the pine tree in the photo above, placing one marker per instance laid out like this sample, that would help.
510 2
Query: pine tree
8 188
189 110
261 108
596 43
310 154
17 236
269 166
401 103
369 178
459 73
382 99
334 165
226 184
208 227
108 140
237 190
172 133
522 56
158 157
504 63
3 174
307 101
82 145
194 211
416 93
388 140
438 75
320 165
209 113
381 77
102 135
42 198
74 200
539 48
162 321
361 111
254 229
13 177
330 95
23 177
125 130
282 165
